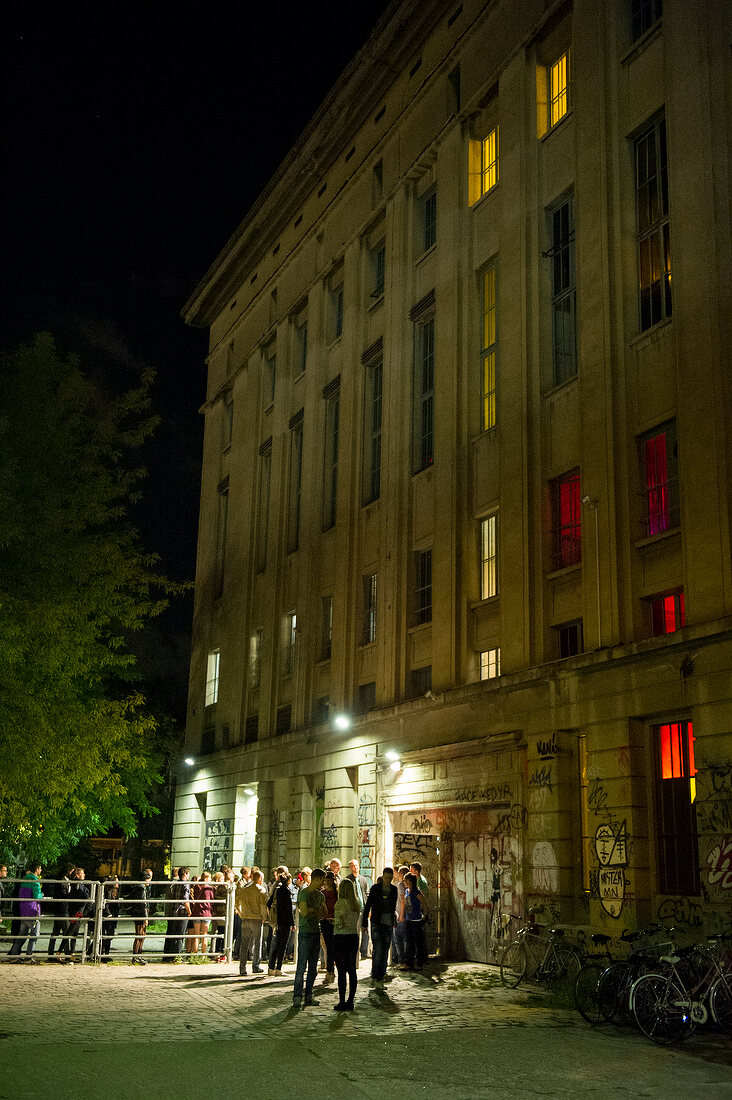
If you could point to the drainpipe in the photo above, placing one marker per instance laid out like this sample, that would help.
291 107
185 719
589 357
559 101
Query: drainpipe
590 503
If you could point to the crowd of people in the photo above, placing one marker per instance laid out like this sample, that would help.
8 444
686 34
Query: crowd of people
338 920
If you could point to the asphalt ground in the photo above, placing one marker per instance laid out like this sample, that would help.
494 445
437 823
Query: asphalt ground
199 1029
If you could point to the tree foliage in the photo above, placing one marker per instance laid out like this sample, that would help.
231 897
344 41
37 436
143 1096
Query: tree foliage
77 747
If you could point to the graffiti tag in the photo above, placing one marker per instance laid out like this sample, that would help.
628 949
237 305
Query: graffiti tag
719 861
542 777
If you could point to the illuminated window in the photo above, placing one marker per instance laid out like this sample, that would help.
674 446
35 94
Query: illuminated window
643 14
676 831
567 532
488 557
422 587
652 228
370 593
660 473
489 353
490 664
563 293
212 677
668 613
559 88
289 642
255 659
484 163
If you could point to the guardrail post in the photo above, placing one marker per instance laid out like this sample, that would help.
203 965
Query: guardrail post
98 907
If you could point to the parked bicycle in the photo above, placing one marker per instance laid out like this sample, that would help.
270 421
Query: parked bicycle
697 983
586 982
544 954
616 982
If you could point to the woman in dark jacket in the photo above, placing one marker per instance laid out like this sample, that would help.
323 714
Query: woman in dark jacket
281 903
110 913
139 910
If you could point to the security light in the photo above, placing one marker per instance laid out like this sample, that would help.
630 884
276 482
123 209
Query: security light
189 761
342 722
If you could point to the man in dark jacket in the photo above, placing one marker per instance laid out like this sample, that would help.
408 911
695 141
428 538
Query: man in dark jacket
361 884
381 907
179 912
59 907
79 907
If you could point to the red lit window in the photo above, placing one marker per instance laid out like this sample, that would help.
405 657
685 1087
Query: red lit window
676 832
567 521
668 613
660 477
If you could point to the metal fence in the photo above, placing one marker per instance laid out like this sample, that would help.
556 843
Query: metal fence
104 923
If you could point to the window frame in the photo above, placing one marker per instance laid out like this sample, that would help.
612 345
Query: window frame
565 632
222 522
269 378
373 429
652 225
676 829
559 88
664 609
332 398
428 211
289 643
295 484
422 564
640 22
488 555
490 663
564 291
370 595
489 346
566 520
265 482
660 476
254 664
377 261
213 674
424 394
326 627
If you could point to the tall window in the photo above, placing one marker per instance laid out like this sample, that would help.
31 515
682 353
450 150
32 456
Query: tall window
559 88
652 230
488 557
227 422
335 296
424 395
326 628
569 639
212 677
643 14
563 292
255 659
301 343
283 721
676 832
332 394
489 161
293 518
489 353
422 587
668 613
567 516
251 729
265 472
288 644
370 590
378 269
490 664
372 431
661 483
366 697
429 220
222 518
270 373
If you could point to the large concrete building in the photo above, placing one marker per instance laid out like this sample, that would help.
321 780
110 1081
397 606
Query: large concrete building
464 585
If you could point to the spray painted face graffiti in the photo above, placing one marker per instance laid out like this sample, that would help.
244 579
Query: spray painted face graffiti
611 849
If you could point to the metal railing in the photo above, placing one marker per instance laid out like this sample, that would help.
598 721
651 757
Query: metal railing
104 919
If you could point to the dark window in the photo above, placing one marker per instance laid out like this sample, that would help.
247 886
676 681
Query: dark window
221 522
564 294
227 424
569 638
284 719
265 472
378 269
421 680
326 628
643 14
366 697
567 532
225 736
429 220
270 374
372 432
423 587
321 710
661 483
652 229
251 729
370 592
668 613
424 395
293 519
208 741
678 854
330 458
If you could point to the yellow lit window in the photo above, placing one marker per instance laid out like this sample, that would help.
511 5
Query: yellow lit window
559 89
489 161
489 349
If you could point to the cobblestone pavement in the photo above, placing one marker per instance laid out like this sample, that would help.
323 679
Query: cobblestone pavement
89 1015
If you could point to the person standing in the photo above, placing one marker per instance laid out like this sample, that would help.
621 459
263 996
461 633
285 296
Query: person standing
201 910
330 893
29 906
110 913
250 902
179 896
79 905
139 910
347 918
362 892
398 944
416 869
381 906
284 921
60 908
311 910
414 908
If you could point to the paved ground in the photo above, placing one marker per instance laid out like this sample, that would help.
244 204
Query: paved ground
165 1031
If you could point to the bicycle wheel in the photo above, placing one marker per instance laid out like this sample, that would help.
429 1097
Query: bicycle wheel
585 991
720 1002
565 967
661 1009
612 991
513 964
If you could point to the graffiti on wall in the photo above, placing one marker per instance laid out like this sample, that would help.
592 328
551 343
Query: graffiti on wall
501 792
319 810
611 849
719 862
547 750
217 846
544 868
366 852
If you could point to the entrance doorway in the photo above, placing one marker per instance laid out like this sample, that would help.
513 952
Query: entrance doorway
425 849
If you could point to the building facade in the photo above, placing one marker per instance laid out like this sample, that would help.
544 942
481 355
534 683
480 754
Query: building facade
464 587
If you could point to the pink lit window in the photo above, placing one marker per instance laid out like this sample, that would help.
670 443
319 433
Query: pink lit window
567 521
660 476
668 613
677 750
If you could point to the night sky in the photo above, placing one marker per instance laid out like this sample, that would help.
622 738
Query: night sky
134 139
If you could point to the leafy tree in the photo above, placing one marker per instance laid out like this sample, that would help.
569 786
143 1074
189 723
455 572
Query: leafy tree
78 749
